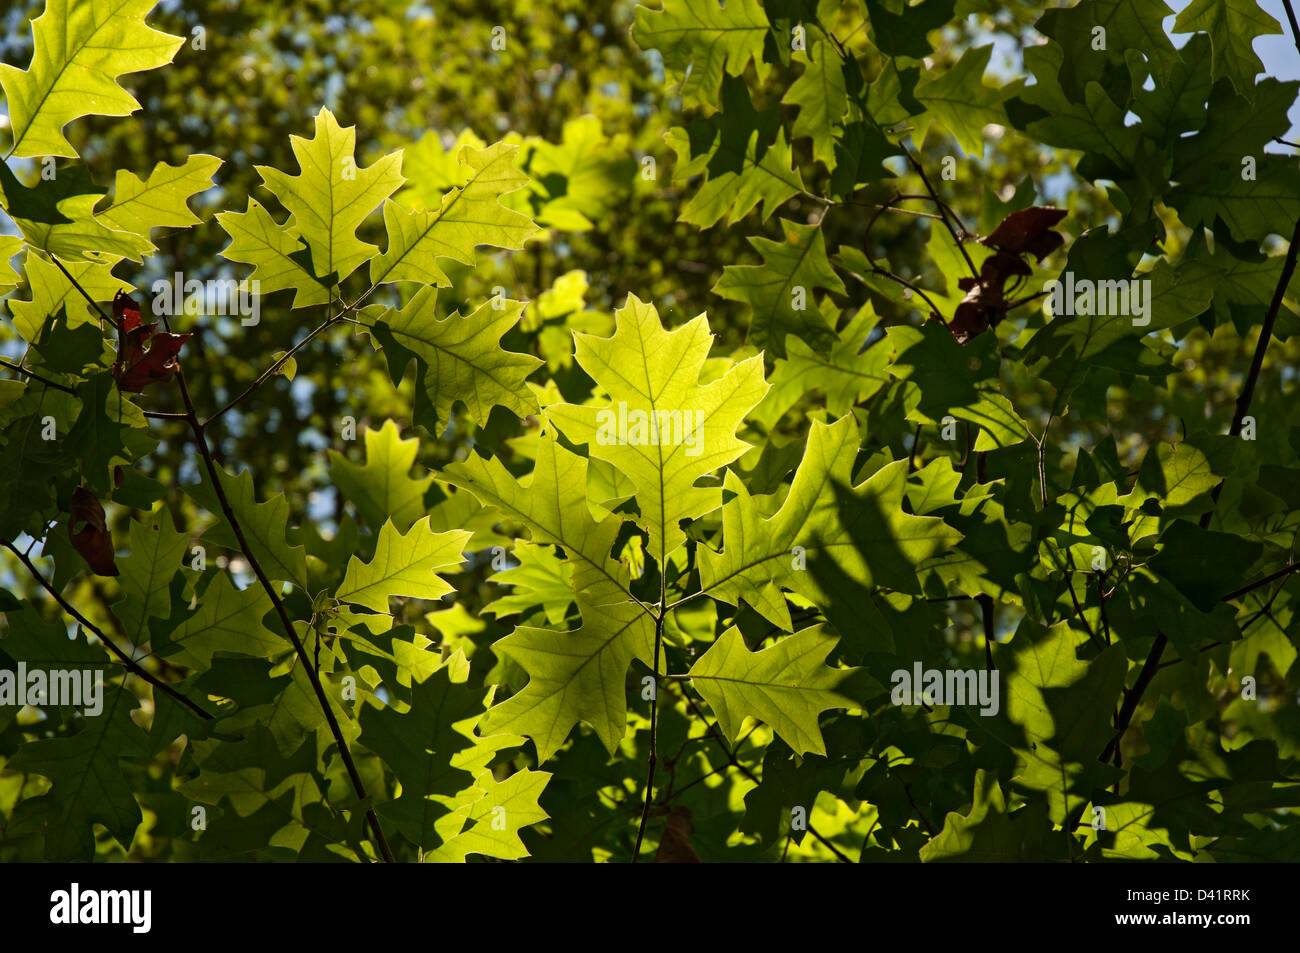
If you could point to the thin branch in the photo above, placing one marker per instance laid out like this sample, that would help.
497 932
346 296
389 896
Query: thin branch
1133 695
76 284
130 663
286 623
654 717
955 228
990 629
1152 664
1284 571
929 828
876 270
1295 27
270 371
37 377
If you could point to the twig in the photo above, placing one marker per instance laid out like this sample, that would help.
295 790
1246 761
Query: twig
990 630
130 663
286 623
1152 663
1284 571
270 371
654 715
1295 27
37 377
876 270
929 828
76 284
955 228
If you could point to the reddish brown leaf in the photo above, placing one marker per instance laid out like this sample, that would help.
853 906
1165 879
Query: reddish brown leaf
1028 232
154 362
985 305
675 845
125 311
143 357
89 533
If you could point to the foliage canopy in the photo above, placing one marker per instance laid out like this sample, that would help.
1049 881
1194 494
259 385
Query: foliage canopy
421 423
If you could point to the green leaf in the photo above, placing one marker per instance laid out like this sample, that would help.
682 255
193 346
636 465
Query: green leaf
156 552
574 676
1233 128
786 685
276 251
1251 208
1177 105
790 270
1065 706
109 430
420 747
264 525
746 157
1095 37
141 205
1233 26
989 832
493 813
822 98
653 376
579 178
228 621
404 564
541 579
10 245
88 783
80 49
860 531
553 506
30 465
460 358
470 215
57 216
903 34
381 488
1095 125
702 39
846 374
1202 564
332 195
962 102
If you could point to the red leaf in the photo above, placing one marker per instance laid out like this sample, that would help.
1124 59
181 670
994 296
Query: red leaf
143 358
125 311
156 362
1028 232
92 541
